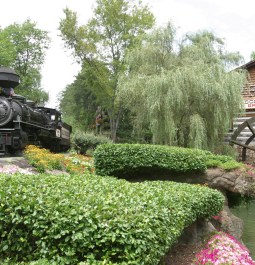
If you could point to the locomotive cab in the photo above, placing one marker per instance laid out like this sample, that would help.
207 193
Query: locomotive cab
60 131
53 114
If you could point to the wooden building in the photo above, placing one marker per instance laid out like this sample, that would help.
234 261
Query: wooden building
242 134
249 89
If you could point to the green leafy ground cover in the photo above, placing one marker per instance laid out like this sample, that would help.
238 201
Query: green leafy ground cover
222 161
95 220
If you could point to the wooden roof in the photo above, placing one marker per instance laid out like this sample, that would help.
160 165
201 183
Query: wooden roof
248 65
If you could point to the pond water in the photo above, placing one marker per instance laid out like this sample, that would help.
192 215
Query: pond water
246 211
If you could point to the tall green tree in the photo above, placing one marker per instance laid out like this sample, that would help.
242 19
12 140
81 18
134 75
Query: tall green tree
7 49
26 54
100 46
183 91
78 103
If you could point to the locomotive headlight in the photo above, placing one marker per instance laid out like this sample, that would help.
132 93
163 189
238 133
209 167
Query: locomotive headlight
5 111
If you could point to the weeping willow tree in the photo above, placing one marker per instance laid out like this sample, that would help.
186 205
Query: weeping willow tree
183 92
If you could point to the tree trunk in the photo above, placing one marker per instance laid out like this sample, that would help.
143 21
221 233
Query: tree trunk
114 124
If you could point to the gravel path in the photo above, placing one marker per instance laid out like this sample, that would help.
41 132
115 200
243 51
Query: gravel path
17 161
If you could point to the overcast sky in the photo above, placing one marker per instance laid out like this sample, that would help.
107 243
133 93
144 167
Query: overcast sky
230 20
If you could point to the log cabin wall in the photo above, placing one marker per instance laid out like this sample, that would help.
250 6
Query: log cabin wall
249 89
248 93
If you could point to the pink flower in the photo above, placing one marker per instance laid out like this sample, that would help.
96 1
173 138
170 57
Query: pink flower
224 249
12 169
216 217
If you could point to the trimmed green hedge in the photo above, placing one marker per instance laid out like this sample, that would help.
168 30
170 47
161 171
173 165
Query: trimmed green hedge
95 220
129 159
136 160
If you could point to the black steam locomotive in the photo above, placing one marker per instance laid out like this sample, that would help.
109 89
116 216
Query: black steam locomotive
23 123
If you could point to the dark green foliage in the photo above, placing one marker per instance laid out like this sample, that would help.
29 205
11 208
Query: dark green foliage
37 262
90 218
78 103
125 159
227 150
82 142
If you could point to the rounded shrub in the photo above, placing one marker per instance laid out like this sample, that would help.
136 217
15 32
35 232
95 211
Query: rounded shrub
83 142
135 159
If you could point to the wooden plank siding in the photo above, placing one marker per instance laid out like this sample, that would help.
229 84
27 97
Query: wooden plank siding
249 88
248 94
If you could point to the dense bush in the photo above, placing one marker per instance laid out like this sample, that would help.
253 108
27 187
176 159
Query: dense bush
82 141
226 150
37 262
128 159
70 219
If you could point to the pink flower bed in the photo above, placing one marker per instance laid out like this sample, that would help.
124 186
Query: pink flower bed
224 249
12 169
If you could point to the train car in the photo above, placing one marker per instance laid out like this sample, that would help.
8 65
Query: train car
23 123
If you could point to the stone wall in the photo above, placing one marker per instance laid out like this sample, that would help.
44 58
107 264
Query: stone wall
233 181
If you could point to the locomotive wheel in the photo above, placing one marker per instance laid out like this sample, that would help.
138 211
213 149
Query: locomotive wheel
248 123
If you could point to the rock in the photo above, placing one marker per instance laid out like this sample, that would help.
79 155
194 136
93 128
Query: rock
231 224
191 242
227 180
196 232
228 222
241 185
57 172
213 173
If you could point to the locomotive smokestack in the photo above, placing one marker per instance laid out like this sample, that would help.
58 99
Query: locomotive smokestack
8 78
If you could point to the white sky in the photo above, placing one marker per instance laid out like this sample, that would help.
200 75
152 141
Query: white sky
231 20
